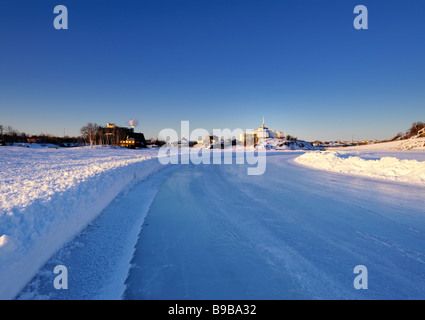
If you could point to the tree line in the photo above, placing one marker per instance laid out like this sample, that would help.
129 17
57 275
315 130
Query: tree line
411 132
91 134
10 135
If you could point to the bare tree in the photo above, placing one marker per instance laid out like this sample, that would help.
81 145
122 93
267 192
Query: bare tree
90 132
416 126
11 135
414 130
100 137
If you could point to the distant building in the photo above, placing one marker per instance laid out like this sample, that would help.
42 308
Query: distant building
134 141
34 140
211 139
124 137
180 143
263 132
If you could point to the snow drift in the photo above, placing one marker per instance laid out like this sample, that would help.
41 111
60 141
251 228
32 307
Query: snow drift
282 144
389 168
47 196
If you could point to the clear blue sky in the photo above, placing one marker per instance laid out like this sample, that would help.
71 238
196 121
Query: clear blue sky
217 63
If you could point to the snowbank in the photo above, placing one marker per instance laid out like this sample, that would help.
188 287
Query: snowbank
414 144
282 144
47 196
389 168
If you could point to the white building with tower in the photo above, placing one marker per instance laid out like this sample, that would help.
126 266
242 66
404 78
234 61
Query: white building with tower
262 132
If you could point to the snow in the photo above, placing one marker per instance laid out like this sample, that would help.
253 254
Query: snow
98 259
49 195
283 144
129 227
3 240
389 168
414 144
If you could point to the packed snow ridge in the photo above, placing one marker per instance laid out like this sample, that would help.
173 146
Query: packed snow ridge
389 168
47 196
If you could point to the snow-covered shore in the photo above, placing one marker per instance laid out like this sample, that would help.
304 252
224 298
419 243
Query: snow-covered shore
378 166
48 195
400 160
414 144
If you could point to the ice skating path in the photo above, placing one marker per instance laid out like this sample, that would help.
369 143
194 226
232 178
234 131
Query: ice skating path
213 232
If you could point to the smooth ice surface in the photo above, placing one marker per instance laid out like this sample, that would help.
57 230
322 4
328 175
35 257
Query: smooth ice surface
213 232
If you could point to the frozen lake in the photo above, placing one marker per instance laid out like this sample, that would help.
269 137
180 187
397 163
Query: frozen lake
213 232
